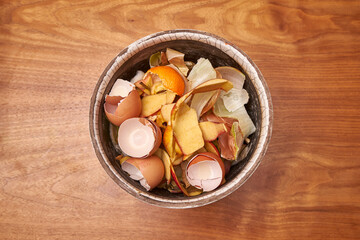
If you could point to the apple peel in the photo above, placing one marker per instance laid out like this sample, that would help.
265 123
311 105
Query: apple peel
210 147
211 130
176 180
152 103
166 111
187 132
168 141
177 161
164 156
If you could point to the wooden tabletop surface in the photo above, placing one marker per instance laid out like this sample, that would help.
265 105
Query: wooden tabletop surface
52 185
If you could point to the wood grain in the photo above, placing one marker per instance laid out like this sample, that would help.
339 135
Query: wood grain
51 183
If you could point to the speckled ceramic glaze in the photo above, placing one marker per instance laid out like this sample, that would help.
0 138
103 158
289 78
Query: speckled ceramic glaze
194 44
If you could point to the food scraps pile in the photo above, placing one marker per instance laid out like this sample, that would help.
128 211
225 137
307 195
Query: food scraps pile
181 125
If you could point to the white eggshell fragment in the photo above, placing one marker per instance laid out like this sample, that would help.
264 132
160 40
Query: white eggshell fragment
121 88
139 137
138 76
205 171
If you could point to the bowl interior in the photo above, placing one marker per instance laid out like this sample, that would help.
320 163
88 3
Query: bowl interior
193 50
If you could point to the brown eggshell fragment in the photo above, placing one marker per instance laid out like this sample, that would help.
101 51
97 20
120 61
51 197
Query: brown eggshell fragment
205 171
113 99
149 171
127 108
110 114
130 106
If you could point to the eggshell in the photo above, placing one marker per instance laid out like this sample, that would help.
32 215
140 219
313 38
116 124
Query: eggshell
121 88
128 107
139 137
208 156
205 171
113 99
110 114
152 169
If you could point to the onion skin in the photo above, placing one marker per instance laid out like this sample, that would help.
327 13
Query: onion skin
227 146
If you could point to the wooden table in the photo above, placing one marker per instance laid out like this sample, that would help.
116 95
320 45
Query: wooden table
52 186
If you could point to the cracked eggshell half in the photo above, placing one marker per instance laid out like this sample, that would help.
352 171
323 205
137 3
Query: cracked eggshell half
205 171
139 137
123 102
148 171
